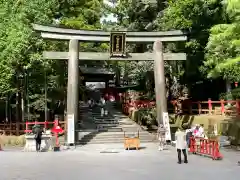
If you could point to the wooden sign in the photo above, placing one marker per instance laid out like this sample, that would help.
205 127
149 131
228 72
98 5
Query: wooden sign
70 129
166 126
118 44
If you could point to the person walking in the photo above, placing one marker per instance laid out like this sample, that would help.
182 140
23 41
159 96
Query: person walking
201 130
103 106
181 144
161 137
37 130
90 103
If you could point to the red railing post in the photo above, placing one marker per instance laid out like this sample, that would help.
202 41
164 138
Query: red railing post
26 126
201 145
45 125
209 106
222 107
207 147
55 124
238 107
217 154
192 145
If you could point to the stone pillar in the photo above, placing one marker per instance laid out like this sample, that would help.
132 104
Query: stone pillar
72 90
160 87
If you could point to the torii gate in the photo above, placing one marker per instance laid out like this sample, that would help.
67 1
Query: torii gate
117 52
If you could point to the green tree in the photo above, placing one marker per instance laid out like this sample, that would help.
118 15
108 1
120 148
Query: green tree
223 48
134 15
196 17
21 47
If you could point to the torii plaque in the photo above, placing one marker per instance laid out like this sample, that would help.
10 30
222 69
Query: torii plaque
118 44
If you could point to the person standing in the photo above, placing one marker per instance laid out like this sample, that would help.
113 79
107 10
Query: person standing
196 131
37 130
89 103
201 130
181 144
103 106
161 137
188 136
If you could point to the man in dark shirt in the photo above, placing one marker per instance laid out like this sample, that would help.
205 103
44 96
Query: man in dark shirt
37 130
188 135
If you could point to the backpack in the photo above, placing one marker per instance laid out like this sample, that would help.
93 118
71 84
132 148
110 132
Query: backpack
38 133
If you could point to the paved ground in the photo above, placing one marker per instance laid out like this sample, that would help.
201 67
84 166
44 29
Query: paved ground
91 163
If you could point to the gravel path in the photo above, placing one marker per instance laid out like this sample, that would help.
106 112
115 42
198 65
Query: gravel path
109 162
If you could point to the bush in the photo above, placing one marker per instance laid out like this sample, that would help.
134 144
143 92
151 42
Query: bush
12 140
144 116
234 94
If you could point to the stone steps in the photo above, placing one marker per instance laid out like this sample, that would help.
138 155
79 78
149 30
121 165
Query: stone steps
112 137
107 134
109 129
95 139
107 141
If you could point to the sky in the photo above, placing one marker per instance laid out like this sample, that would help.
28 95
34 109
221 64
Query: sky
110 17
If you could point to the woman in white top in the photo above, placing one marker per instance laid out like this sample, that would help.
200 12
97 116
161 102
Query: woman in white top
181 144
201 131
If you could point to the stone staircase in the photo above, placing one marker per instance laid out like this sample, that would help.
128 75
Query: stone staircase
94 129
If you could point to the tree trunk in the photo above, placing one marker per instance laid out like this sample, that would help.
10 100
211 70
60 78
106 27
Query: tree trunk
18 107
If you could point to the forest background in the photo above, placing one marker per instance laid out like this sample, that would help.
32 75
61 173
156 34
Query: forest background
211 68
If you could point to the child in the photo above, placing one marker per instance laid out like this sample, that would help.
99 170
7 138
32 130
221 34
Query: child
161 137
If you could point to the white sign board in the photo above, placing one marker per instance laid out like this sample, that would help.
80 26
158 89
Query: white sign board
71 129
167 126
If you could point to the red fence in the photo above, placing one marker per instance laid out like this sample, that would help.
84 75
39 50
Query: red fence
47 125
20 128
190 107
205 147
210 107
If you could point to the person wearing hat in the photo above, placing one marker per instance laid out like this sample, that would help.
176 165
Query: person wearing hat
181 144
37 131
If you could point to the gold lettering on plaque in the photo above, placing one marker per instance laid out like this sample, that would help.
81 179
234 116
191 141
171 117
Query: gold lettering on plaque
117 43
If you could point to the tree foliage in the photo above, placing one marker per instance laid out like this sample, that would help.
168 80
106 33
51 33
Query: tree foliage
213 44
196 18
21 47
223 48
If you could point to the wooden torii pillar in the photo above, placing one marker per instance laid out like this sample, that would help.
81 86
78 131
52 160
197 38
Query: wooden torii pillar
73 56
